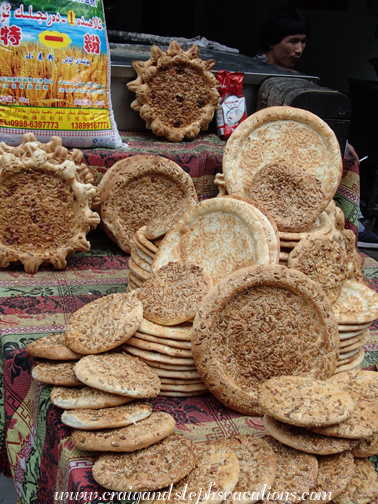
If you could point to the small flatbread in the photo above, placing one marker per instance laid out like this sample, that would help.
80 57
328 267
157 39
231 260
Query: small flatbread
141 247
344 357
296 471
118 373
366 447
152 429
355 342
180 332
158 347
104 323
170 367
135 279
345 337
362 386
140 272
107 418
52 347
142 187
357 303
142 254
151 468
215 463
56 373
363 486
173 293
182 375
139 261
183 388
156 356
178 381
305 440
324 261
353 364
353 327
167 393
304 401
86 398
334 475
258 466
186 345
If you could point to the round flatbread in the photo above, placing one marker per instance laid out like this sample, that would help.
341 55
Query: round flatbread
107 418
186 345
258 323
353 364
173 293
176 94
183 388
217 464
152 429
334 475
170 367
180 332
357 303
305 440
304 401
292 195
362 386
151 468
158 347
219 234
286 136
139 272
363 486
118 373
104 323
56 373
353 327
45 212
141 263
258 466
86 398
324 261
296 472
141 188
52 347
150 355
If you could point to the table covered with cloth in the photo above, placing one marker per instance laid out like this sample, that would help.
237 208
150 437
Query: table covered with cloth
35 446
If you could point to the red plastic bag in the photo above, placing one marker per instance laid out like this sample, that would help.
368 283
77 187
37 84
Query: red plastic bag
232 107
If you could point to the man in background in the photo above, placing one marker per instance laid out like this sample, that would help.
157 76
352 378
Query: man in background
283 38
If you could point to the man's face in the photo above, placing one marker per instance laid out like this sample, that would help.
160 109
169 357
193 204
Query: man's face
287 53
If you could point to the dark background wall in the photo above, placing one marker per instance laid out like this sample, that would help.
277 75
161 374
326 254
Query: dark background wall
344 33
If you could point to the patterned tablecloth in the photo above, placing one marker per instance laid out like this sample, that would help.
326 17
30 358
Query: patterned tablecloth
35 446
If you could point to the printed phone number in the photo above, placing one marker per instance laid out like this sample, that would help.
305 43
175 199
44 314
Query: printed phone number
23 123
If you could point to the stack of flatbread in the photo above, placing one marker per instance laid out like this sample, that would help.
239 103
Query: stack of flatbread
336 422
170 299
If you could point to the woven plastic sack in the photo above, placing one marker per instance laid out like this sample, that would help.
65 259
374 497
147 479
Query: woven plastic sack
55 73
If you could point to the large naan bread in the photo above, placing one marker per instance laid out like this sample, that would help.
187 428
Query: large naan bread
138 189
176 93
219 234
287 136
